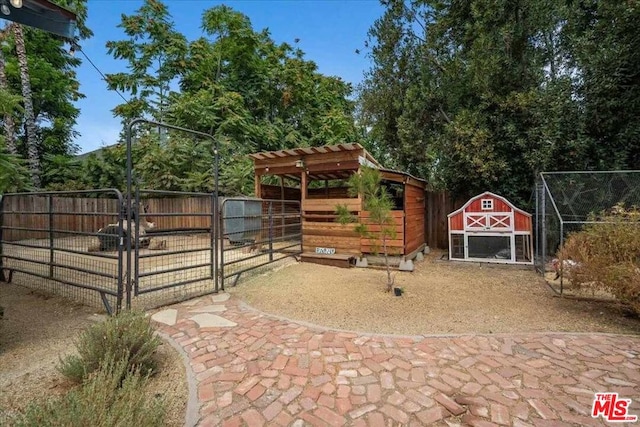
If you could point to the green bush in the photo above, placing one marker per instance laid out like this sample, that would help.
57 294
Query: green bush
608 255
105 399
127 336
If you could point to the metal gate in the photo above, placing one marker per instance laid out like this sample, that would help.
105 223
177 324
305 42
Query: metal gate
256 233
174 259
56 242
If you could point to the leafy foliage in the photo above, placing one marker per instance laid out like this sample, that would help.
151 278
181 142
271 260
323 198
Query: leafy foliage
607 253
14 175
46 72
482 95
155 53
125 338
378 203
234 83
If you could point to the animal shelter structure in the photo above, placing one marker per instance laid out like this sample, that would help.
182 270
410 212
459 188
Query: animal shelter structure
317 177
489 228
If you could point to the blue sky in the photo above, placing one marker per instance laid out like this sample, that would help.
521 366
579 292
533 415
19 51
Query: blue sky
330 31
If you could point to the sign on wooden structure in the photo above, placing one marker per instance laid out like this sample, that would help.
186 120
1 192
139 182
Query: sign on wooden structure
326 251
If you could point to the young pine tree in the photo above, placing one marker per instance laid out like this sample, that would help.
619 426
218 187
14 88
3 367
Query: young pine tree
376 201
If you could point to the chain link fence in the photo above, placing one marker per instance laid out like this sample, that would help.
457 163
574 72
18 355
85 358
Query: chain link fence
567 201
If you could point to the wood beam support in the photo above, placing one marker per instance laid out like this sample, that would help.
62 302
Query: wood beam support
257 187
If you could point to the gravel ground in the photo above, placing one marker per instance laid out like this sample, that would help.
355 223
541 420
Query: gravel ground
441 297
37 330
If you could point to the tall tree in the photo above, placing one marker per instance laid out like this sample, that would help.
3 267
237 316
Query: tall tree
459 93
155 53
604 36
29 114
54 87
8 104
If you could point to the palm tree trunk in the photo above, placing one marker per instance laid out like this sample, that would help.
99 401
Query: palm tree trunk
7 119
29 113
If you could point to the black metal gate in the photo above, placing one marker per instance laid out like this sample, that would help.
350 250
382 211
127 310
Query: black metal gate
176 258
57 241
256 233
144 248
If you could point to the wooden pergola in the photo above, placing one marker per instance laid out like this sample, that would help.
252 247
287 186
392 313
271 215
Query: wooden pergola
324 165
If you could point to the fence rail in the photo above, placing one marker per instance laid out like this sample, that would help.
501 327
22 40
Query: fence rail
257 232
50 235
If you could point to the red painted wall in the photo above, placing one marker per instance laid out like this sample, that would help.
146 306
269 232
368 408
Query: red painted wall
522 222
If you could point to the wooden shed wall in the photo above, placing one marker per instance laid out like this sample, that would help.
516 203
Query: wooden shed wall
274 192
522 222
319 228
395 245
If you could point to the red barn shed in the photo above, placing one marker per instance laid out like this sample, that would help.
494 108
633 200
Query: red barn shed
489 228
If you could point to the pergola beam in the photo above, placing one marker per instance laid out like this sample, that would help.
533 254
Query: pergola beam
44 15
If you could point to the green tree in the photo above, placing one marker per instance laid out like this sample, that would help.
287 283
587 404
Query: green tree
9 105
63 172
155 53
482 95
378 203
604 37
42 124
29 113
14 175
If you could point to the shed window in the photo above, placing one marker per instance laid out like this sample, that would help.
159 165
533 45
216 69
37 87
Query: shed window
487 204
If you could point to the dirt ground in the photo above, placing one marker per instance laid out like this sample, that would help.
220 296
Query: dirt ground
441 297
37 330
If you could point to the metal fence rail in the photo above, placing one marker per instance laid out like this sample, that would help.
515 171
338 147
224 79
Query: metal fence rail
76 243
256 233
567 201
178 259
45 239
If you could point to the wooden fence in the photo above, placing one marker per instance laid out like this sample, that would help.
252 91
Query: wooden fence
438 205
90 214
28 217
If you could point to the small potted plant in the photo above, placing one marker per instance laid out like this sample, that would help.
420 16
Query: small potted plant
398 291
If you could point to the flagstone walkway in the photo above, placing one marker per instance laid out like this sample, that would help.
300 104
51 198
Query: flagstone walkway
254 369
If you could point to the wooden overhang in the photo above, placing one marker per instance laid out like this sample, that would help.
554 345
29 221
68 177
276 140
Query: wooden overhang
403 177
42 14
321 163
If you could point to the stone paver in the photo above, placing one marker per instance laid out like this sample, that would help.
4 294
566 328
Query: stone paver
215 308
207 320
167 317
254 369
220 298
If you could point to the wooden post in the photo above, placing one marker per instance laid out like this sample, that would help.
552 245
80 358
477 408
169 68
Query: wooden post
303 186
257 186
303 197
282 208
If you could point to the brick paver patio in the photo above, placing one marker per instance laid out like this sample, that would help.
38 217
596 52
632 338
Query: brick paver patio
258 370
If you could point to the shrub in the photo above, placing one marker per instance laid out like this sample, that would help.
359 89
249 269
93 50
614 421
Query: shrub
105 399
127 336
608 255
